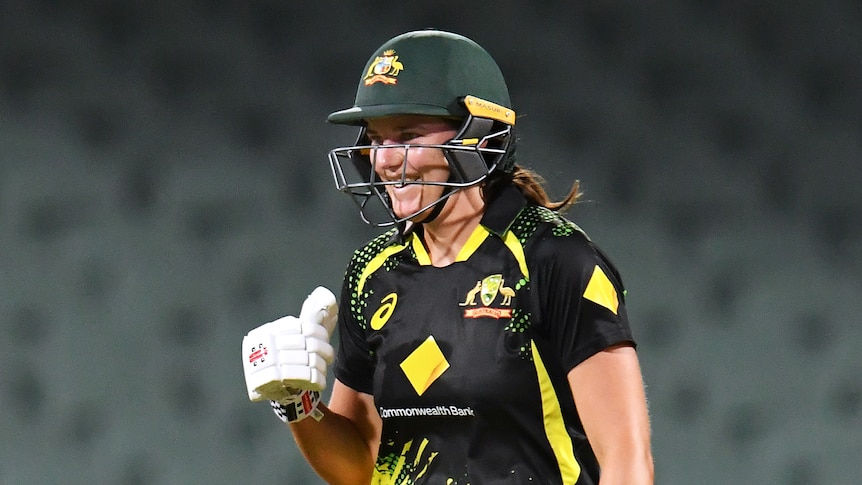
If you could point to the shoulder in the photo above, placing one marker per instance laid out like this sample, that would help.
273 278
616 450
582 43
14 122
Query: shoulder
374 255
547 230
375 246
555 243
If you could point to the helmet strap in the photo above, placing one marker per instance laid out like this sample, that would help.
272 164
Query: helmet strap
438 207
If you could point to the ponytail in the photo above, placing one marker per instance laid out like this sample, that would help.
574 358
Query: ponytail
532 186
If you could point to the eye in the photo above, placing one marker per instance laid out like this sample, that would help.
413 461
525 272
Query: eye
410 136
374 139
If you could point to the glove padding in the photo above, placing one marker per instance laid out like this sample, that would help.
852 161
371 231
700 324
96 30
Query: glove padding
283 358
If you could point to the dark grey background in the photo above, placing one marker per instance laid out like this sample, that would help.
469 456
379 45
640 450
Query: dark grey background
164 189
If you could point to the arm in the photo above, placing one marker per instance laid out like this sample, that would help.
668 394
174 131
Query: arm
609 393
342 447
285 362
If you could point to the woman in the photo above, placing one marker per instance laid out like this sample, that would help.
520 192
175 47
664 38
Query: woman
483 338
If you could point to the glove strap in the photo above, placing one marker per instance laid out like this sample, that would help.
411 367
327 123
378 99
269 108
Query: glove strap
296 408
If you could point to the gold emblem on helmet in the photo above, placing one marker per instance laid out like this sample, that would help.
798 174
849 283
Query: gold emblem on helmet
384 69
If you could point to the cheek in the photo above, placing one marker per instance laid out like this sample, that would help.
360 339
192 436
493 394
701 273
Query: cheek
434 164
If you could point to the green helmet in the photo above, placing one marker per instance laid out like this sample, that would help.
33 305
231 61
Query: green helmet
426 72
435 73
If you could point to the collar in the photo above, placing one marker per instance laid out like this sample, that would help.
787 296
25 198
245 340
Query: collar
499 215
501 212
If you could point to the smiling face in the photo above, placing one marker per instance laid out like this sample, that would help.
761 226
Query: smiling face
417 166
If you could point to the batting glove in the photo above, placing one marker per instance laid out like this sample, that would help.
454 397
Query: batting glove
285 361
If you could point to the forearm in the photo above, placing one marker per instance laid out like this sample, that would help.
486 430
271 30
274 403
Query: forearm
335 448
631 470
609 392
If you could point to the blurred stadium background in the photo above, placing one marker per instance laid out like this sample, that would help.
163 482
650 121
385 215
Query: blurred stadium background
164 188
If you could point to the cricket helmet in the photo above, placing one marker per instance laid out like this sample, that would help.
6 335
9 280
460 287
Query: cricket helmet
434 73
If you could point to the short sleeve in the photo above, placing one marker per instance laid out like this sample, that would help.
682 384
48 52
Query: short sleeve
354 363
581 297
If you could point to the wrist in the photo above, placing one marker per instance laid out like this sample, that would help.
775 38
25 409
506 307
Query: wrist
298 407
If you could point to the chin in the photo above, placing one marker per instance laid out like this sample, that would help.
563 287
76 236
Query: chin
402 214
405 209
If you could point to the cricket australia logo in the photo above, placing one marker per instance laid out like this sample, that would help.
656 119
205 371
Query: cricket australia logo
384 69
487 291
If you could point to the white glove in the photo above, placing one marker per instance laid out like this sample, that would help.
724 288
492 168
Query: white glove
285 360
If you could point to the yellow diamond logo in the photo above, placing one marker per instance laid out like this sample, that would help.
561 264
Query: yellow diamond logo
424 365
600 290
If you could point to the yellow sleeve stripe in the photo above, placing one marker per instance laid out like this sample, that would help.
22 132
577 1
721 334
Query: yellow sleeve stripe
375 264
555 428
601 291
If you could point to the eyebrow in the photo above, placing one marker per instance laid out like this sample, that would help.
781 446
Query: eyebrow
399 130
423 128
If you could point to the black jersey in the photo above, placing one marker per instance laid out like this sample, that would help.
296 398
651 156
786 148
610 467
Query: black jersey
468 363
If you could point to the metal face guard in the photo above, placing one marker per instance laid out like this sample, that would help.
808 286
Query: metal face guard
470 161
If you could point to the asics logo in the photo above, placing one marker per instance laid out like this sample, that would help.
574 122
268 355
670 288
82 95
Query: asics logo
382 315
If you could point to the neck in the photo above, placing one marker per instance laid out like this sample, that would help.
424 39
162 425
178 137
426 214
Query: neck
446 235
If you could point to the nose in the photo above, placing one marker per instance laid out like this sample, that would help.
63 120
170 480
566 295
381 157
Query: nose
386 157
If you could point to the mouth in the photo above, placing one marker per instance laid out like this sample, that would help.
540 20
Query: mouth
403 182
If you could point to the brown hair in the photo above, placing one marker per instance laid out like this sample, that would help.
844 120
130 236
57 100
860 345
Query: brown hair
532 185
